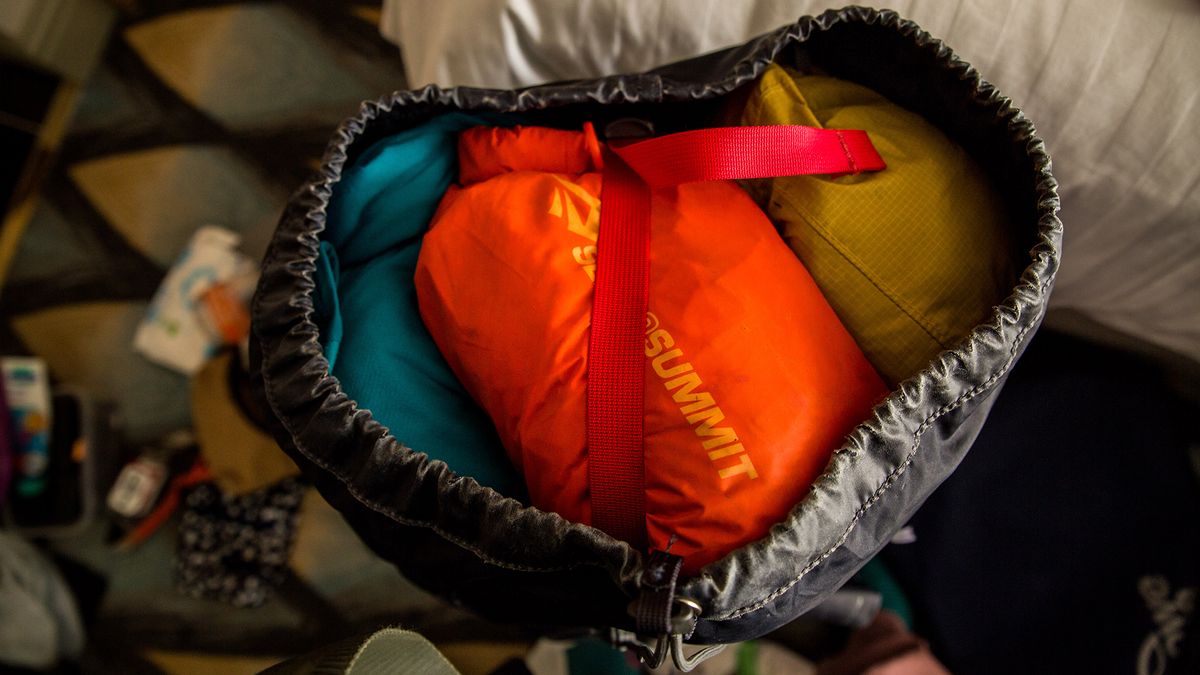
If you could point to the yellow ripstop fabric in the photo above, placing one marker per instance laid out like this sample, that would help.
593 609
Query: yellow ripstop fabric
911 258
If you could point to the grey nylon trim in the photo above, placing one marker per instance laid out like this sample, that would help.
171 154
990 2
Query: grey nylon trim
392 514
891 478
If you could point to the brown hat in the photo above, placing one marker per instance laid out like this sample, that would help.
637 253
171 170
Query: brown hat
240 456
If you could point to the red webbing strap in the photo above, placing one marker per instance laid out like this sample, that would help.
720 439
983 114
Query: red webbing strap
616 356
616 360
731 153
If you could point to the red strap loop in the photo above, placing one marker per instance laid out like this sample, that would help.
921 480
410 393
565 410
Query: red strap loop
731 153
616 360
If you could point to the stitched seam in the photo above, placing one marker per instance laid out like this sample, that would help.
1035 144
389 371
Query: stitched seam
883 487
393 514
891 478
823 232
846 152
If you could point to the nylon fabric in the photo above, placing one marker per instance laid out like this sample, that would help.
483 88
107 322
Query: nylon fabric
749 379
519 564
911 258
730 153
372 335
616 387
616 365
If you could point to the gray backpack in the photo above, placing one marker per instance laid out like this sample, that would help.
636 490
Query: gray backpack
515 563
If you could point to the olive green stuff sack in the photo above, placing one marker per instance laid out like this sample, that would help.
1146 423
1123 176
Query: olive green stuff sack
911 258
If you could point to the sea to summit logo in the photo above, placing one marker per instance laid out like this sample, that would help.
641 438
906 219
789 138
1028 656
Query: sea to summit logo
566 204
698 407
652 322
581 211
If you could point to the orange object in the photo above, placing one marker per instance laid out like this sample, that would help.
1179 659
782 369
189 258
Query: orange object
751 380
197 474
226 313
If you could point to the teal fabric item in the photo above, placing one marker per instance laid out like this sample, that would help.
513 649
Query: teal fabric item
366 304
876 576
593 657
328 308
387 197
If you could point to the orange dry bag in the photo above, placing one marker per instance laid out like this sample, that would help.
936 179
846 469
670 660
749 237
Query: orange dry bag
750 379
